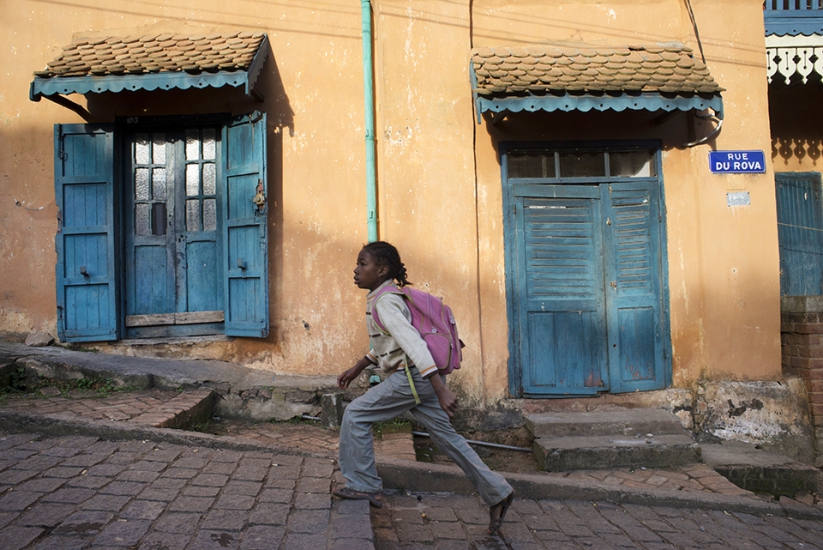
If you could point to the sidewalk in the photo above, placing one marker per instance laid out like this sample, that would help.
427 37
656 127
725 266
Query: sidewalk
80 470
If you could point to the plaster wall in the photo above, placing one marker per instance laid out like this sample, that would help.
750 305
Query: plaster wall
440 197
313 87
722 261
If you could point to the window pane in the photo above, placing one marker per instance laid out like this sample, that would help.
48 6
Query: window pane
193 215
531 165
141 149
142 219
209 215
158 180
582 165
158 149
141 184
192 180
208 179
637 164
208 143
158 218
192 145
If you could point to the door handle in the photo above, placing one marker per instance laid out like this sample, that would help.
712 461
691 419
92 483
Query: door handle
241 264
83 272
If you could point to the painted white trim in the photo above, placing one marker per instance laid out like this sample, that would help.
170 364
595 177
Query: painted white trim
788 55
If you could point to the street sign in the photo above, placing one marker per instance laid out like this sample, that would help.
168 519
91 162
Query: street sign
737 162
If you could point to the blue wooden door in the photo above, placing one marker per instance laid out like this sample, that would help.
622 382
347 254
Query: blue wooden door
560 326
588 303
173 278
245 257
87 295
634 290
800 232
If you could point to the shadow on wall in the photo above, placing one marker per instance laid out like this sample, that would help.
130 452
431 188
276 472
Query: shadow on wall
796 120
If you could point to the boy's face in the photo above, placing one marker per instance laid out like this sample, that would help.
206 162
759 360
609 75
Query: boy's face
368 274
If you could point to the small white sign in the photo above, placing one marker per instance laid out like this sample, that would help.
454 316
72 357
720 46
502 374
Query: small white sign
738 198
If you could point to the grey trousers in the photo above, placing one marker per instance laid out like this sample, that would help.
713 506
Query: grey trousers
388 400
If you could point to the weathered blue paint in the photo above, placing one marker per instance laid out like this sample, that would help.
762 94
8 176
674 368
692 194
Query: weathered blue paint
585 279
634 304
800 232
599 102
87 293
368 99
792 19
244 226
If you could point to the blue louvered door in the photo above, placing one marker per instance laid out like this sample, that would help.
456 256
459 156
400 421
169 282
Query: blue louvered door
634 304
588 297
800 232
561 308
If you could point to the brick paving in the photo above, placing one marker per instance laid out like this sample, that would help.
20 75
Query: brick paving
451 522
156 408
86 492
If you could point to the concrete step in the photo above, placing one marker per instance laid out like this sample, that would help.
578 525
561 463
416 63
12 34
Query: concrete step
555 454
761 471
610 423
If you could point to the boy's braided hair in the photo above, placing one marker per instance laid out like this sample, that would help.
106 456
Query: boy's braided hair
386 254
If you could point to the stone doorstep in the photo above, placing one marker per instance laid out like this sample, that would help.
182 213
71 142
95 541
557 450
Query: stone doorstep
622 423
603 452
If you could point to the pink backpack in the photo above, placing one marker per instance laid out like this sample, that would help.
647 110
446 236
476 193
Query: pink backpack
434 321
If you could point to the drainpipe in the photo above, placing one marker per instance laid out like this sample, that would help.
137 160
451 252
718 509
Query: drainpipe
368 94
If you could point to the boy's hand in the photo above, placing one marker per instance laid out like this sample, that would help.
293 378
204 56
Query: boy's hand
447 400
348 376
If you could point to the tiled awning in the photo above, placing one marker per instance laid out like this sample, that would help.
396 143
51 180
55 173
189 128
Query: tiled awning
534 78
152 62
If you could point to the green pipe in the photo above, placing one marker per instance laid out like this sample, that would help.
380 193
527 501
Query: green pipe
368 89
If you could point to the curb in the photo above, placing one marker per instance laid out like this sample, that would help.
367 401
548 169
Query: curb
58 425
421 477
417 476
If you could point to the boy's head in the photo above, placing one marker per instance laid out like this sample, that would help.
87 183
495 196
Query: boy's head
385 254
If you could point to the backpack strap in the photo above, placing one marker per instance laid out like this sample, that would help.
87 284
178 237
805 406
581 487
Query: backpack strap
374 315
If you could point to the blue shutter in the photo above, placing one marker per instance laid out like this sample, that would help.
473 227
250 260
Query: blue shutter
87 294
562 317
245 240
800 233
634 287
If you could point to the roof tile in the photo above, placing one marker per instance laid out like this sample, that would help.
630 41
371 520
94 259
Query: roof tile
161 53
668 68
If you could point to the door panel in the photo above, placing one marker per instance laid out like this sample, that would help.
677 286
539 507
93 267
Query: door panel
561 281
84 189
589 295
173 274
633 295
245 255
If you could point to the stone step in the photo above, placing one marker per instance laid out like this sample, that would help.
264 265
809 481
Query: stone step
626 422
555 454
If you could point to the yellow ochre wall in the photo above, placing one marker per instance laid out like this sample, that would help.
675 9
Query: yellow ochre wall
439 181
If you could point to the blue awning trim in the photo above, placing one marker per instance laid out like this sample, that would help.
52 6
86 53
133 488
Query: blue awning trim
600 102
151 81
794 24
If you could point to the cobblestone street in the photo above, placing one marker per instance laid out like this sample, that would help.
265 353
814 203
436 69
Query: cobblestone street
459 523
87 492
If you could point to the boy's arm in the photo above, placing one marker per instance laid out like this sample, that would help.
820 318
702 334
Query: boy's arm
448 401
346 377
